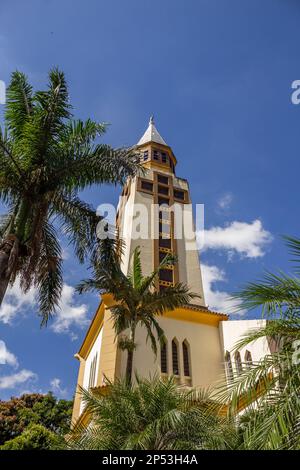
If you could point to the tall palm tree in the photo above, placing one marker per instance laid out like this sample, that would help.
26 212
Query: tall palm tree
46 157
271 388
152 415
137 301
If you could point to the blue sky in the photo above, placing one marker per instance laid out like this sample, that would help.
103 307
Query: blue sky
217 75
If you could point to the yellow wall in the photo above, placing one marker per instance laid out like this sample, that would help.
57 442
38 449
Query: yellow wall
205 351
108 353
77 398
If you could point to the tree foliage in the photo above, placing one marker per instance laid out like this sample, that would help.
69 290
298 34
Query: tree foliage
46 158
152 415
35 437
17 414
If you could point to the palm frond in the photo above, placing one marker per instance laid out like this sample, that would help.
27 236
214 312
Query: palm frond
275 330
136 269
78 222
96 165
152 415
274 293
293 245
49 279
168 299
149 281
19 104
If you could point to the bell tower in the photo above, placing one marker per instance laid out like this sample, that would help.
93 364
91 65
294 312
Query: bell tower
166 201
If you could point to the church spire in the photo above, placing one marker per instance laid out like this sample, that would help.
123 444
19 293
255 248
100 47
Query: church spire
151 134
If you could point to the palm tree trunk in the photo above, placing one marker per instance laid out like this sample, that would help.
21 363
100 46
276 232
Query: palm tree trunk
129 364
8 256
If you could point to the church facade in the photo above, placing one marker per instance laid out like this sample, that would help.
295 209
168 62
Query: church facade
198 341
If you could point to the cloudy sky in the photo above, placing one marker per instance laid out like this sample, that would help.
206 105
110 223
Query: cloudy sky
217 75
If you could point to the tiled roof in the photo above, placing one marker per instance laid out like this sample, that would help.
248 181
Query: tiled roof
201 308
151 135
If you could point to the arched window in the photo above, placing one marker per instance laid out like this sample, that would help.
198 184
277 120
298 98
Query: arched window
186 359
238 362
248 359
163 357
92 375
175 361
228 367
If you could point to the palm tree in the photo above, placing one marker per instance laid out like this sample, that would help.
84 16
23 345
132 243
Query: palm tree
46 157
152 415
271 388
137 302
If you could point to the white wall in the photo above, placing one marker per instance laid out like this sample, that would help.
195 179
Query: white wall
96 348
233 330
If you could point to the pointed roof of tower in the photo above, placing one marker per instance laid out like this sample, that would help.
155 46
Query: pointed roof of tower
151 135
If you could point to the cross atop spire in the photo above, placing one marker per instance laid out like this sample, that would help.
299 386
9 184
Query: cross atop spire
151 134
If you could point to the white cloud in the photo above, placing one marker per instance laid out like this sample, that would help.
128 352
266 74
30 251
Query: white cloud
6 357
16 302
56 387
225 201
11 381
246 239
69 314
216 299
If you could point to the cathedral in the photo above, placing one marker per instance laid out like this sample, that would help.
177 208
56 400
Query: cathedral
198 344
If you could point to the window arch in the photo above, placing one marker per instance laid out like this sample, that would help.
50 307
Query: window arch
186 358
248 359
163 357
228 367
175 360
238 362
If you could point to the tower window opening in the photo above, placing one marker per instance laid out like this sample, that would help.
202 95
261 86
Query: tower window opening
155 155
164 228
162 179
164 215
164 242
228 367
163 358
162 201
147 185
179 194
164 157
238 362
145 155
163 190
162 256
166 275
186 359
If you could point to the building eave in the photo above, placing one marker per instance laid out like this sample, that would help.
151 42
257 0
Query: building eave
92 332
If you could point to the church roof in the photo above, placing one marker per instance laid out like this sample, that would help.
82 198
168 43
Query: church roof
151 135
